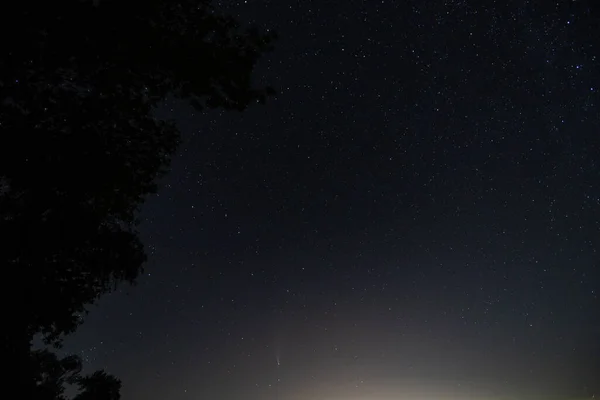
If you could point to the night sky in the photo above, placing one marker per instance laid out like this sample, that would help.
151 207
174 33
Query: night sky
414 216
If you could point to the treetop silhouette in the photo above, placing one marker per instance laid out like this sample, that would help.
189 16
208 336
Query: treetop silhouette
81 148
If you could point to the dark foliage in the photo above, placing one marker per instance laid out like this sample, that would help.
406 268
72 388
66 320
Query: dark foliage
51 374
99 385
80 148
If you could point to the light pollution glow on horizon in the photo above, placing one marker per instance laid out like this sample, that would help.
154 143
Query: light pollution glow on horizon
411 390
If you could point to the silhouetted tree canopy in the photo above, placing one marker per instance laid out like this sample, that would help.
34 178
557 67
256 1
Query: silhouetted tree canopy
81 149
51 374
99 385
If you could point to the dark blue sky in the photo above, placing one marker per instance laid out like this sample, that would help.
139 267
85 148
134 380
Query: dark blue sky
415 214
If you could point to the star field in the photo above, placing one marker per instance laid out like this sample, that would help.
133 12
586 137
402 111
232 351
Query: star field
415 215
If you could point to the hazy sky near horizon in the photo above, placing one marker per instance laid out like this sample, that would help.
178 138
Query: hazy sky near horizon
415 216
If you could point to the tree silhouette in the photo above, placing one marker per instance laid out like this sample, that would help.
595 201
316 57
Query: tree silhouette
51 373
81 149
99 386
